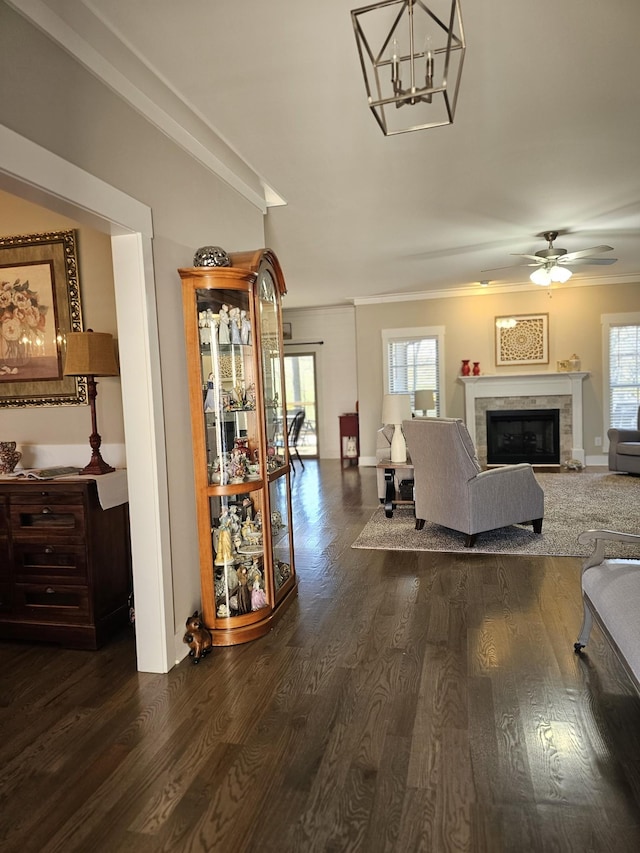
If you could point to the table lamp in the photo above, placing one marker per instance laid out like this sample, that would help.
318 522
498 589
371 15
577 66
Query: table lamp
91 354
425 401
395 409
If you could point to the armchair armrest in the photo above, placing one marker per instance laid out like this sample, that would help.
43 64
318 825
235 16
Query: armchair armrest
508 495
617 435
517 479
505 471
599 537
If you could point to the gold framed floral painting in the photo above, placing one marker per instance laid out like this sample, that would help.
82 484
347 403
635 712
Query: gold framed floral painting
39 304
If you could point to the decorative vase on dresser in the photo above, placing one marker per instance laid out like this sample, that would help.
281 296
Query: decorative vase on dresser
465 370
9 457
233 332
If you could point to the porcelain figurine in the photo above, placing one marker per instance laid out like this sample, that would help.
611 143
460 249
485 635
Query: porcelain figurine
223 327
197 637
258 597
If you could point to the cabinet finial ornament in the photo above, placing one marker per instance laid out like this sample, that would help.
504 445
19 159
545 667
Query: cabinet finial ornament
211 256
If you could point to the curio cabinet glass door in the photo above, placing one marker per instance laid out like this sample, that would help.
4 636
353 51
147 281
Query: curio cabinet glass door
235 365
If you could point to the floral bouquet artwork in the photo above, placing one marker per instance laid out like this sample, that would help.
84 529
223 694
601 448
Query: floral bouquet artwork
23 320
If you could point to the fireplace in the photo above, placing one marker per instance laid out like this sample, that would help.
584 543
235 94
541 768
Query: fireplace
523 435
508 392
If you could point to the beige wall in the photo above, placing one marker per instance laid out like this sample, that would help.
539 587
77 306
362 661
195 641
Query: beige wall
574 327
63 425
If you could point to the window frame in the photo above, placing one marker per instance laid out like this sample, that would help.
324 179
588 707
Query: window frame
629 318
412 334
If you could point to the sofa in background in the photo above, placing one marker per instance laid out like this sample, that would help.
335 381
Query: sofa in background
624 449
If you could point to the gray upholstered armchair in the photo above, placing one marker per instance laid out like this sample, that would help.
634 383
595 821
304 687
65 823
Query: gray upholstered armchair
451 489
624 449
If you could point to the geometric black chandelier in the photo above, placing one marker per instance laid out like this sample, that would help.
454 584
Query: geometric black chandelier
411 57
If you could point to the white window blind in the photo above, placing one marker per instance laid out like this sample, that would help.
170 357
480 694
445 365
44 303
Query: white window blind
412 362
624 375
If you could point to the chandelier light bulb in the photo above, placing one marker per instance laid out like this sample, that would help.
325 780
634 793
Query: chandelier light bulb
395 67
428 71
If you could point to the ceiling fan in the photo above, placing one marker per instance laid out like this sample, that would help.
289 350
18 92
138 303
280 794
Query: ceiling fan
551 263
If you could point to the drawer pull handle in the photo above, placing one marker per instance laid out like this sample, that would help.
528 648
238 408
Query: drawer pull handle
50 590
49 549
46 510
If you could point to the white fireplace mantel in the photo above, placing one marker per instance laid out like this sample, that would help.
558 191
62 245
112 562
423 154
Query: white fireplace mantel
528 385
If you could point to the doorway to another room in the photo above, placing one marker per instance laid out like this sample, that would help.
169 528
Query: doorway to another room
301 394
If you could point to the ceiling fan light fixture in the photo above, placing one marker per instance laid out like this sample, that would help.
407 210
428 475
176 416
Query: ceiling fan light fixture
560 274
552 263
541 276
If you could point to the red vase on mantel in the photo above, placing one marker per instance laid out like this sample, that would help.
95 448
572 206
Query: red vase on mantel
465 369
476 368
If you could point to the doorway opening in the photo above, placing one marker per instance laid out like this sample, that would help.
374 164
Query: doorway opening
37 175
301 393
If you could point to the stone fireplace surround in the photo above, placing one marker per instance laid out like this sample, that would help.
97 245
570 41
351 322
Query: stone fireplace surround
561 391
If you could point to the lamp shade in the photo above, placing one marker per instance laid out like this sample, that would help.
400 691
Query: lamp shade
396 408
90 354
424 400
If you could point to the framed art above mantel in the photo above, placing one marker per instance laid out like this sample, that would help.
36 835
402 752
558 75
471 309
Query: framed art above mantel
39 304
522 339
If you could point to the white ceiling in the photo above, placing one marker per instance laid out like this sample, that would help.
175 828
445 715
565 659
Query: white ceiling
546 135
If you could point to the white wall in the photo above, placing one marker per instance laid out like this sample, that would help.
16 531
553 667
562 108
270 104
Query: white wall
330 334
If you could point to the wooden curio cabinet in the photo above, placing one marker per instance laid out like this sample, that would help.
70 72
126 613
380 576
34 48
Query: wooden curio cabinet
235 364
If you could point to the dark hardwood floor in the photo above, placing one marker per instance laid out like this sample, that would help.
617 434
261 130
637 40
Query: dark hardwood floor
405 702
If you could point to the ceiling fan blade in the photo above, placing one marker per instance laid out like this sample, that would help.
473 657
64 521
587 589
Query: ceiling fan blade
584 253
536 258
510 267
587 261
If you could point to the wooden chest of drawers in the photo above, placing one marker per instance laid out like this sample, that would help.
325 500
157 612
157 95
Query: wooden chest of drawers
65 567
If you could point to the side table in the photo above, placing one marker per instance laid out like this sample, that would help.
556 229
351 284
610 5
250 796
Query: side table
349 428
390 499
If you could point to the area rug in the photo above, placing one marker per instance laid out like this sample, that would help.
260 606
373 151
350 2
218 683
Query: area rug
574 502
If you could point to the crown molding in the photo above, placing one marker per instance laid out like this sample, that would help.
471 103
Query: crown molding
491 289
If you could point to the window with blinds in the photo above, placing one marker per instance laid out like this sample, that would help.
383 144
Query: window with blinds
413 361
624 374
